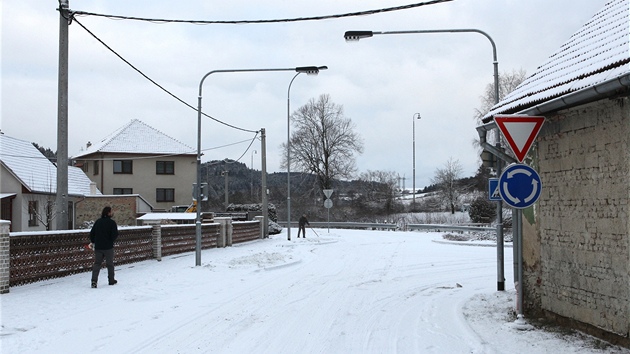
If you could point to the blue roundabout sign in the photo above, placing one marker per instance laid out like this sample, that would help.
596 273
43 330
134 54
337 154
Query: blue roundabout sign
519 186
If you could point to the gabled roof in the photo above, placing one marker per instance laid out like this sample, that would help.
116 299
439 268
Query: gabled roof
597 57
35 172
138 138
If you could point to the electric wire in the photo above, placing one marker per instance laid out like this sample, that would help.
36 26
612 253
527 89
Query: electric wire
155 83
298 19
251 142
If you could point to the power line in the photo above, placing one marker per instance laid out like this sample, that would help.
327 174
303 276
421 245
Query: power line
234 22
155 83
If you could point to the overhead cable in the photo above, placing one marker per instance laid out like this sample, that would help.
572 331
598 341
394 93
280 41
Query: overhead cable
156 84
239 22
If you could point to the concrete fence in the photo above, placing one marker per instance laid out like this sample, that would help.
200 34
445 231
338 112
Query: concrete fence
27 257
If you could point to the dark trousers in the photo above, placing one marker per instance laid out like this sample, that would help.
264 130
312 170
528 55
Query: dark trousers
302 229
99 255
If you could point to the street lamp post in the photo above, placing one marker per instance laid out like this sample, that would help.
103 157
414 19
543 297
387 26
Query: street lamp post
306 69
357 35
289 146
413 201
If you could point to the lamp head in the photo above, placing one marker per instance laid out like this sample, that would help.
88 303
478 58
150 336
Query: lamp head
354 36
310 70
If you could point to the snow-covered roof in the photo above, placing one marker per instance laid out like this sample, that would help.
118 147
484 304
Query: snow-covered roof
597 53
138 138
36 173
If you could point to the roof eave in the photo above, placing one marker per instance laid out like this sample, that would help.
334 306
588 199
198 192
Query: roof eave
619 86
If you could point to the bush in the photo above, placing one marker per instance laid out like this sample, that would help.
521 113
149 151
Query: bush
482 210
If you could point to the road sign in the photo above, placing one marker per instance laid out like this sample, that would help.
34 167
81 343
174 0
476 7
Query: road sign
519 186
519 131
328 203
493 189
328 192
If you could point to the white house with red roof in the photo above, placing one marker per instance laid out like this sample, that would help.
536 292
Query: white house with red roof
576 237
139 159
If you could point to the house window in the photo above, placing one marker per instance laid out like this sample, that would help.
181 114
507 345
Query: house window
119 191
123 166
96 166
165 195
32 213
165 167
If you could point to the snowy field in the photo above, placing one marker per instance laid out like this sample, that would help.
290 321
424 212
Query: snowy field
347 291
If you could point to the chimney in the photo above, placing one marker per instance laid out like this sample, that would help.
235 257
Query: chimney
92 188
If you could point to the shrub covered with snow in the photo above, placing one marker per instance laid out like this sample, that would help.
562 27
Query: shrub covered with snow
482 210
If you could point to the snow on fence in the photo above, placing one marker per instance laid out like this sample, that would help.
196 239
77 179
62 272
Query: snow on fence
52 254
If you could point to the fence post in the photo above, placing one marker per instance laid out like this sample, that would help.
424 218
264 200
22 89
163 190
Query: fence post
156 238
229 232
225 231
261 221
5 256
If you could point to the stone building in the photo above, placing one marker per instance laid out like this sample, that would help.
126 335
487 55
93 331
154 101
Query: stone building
576 238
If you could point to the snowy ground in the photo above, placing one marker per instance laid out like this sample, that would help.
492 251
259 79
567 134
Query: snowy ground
346 291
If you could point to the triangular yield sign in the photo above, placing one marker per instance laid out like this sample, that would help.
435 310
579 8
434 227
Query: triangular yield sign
520 132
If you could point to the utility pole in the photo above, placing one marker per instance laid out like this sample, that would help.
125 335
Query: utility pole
61 199
264 192
225 174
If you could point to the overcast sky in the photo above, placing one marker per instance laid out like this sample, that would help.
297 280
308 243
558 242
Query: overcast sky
381 82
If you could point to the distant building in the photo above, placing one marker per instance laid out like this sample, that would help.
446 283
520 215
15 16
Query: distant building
28 185
139 159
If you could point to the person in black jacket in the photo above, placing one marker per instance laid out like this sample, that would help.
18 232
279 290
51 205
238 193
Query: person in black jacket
302 226
102 237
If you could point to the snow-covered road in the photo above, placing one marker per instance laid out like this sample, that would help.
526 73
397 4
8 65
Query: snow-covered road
347 291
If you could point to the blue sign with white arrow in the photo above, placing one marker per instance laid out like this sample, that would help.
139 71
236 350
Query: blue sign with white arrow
520 186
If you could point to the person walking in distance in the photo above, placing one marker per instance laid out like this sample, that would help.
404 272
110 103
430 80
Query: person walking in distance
102 237
302 226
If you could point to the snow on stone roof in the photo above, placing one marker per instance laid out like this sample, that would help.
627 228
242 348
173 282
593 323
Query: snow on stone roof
595 54
36 173
138 138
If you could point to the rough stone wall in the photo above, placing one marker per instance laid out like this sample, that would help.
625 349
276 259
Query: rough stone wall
89 209
582 217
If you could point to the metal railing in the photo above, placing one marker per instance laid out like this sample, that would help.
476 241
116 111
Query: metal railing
345 225
385 226
442 227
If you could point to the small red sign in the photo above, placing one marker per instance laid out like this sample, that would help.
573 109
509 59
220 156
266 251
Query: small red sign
520 132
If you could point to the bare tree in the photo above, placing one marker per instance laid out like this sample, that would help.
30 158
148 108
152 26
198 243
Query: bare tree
41 207
446 179
507 83
323 141
40 210
380 187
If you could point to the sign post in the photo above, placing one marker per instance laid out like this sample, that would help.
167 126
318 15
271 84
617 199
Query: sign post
519 184
328 204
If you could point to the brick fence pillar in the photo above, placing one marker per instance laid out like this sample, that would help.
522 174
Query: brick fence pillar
261 220
156 241
5 254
